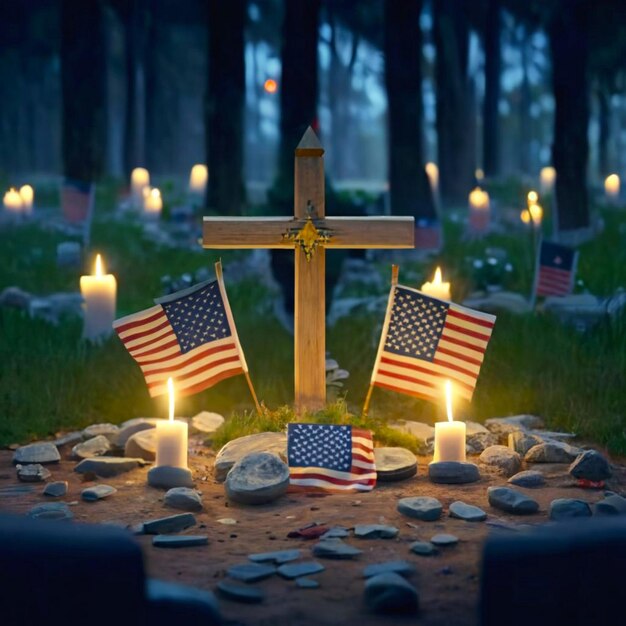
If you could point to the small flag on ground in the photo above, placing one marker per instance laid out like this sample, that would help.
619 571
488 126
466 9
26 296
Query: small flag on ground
556 269
330 457
189 336
426 341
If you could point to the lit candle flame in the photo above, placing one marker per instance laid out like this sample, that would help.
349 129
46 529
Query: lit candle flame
270 85
155 193
536 213
532 197
98 269
437 278
170 389
525 216
449 400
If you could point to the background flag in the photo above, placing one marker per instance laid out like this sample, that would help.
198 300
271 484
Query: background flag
189 336
556 269
331 457
426 341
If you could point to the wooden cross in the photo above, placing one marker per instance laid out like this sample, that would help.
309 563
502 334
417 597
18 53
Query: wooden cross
309 233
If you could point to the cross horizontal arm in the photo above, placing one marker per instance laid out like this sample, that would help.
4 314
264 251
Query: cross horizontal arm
370 232
246 232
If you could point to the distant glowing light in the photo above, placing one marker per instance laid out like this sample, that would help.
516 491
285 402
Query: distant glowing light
270 85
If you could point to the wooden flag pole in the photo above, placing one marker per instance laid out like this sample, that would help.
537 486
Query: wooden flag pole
394 281
256 401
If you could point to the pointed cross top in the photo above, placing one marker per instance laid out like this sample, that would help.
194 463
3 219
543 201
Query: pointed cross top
309 145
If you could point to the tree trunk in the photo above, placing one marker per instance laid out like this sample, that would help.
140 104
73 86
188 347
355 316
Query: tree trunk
409 186
456 126
83 83
491 115
525 102
226 92
568 32
604 118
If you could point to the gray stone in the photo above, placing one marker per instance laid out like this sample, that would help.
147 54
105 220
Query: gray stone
51 511
424 432
583 311
476 443
475 428
444 539
15 297
206 423
552 452
56 489
108 466
423 548
591 465
251 572
528 478
110 431
394 464
141 445
34 473
68 438
42 452
511 501
179 541
241 593
96 446
551 435
170 524
184 499
502 426
611 505
423 508
453 472
336 532
390 593
130 427
375 531
236 449
334 549
467 512
257 478
522 442
404 568
69 254
279 556
296 570
307 583
501 459
567 508
498 301
97 492
166 477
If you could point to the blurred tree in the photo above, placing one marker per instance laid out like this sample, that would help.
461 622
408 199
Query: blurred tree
409 186
83 84
493 68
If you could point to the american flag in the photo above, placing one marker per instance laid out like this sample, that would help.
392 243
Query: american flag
556 269
189 336
77 200
426 341
330 457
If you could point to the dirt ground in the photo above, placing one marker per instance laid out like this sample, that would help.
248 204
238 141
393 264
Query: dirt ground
448 583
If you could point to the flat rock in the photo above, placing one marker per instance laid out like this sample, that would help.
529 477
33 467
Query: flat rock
236 449
279 556
502 426
183 498
375 531
394 464
567 508
42 452
51 511
522 442
129 428
528 478
179 541
257 478
511 501
96 446
97 492
240 593
110 431
499 301
15 297
404 568
206 423
475 428
295 570
476 443
552 452
467 512
453 472
422 431
334 549
68 438
423 508
336 532
423 548
34 473
142 445
166 477
251 572
108 466
389 593
307 583
169 524
444 539
501 459
56 489
591 465
611 505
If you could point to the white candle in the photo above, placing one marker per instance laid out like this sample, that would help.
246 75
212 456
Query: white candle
139 180
437 289
479 207
547 176
27 194
99 294
198 179
450 435
171 437
152 202
13 201
611 188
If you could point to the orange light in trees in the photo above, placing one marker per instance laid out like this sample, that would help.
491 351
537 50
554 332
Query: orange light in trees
270 85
